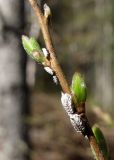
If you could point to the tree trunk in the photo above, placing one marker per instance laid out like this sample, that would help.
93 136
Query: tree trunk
12 80
103 58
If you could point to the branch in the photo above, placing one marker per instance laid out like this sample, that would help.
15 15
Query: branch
49 45
54 65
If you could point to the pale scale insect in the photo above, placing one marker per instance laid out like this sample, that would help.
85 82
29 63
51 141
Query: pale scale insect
66 100
86 137
55 79
49 70
47 11
45 52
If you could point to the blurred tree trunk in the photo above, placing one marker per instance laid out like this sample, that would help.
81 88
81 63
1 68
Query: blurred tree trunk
12 80
103 58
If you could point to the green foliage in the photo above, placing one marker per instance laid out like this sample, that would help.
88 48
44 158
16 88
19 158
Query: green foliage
31 45
78 88
101 141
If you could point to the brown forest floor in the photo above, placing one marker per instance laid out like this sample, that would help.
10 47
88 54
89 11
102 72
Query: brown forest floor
51 135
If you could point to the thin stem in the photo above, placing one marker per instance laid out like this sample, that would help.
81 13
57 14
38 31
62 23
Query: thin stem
58 71
95 148
49 45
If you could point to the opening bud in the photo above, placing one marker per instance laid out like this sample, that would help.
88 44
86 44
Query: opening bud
78 88
101 141
32 48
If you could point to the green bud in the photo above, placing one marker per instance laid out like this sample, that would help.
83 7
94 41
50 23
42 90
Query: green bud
101 141
31 45
78 88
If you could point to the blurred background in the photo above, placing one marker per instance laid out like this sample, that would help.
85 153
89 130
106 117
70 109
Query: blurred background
33 124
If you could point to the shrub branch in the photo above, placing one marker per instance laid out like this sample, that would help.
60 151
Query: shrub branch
54 65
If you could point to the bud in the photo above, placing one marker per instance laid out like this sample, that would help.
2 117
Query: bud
101 141
32 48
47 11
78 88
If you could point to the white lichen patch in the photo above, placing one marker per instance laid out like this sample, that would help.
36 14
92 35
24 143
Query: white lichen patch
77 123
45 52
48 70
66 100
55 80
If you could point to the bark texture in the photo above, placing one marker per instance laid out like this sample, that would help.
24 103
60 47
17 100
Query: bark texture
12 80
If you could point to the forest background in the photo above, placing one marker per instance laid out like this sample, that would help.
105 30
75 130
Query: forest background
30 107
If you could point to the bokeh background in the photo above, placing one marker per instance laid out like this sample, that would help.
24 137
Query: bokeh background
33 124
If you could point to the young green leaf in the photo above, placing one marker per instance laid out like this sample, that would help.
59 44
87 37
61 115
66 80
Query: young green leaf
78 88
101 141
31 45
